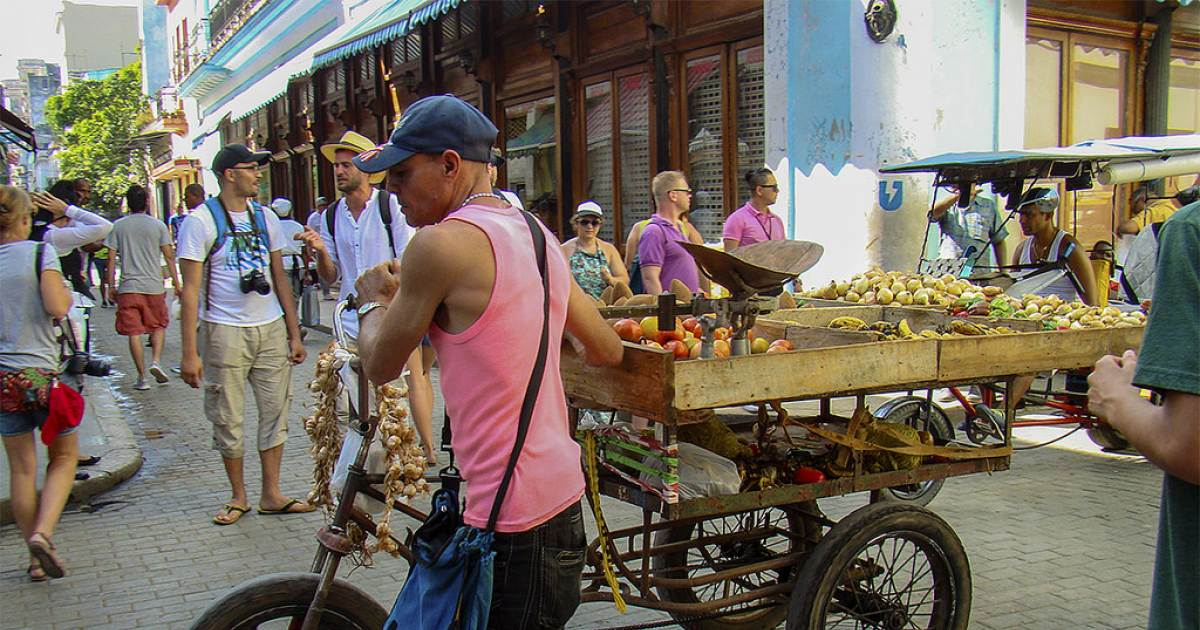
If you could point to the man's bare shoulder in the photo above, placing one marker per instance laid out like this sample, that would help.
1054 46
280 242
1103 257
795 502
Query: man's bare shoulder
448 242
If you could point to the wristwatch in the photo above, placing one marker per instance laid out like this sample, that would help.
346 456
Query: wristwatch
367 307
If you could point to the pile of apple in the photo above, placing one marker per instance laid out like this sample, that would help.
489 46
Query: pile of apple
684 341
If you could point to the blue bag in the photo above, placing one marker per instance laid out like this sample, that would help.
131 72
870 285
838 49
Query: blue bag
450 582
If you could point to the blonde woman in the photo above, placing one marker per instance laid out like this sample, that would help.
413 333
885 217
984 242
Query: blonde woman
34 295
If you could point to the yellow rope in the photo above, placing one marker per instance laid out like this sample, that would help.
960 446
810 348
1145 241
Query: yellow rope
589 442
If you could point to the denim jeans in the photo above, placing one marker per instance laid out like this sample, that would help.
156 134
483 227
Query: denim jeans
537 573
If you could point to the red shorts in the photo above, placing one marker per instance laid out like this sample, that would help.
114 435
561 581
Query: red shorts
139 313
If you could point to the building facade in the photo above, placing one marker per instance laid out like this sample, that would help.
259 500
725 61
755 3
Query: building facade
99 39
593 98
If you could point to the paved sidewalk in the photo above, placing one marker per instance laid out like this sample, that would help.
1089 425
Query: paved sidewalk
1064 540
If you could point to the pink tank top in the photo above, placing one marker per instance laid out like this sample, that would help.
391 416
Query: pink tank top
484 372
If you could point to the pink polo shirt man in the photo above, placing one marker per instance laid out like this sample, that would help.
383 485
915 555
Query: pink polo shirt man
748 226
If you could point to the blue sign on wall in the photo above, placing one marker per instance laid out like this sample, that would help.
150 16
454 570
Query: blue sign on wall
891 202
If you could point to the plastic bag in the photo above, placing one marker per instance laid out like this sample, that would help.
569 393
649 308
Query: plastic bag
702 473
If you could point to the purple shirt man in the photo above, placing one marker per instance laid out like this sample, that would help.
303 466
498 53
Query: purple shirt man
659 245
748 226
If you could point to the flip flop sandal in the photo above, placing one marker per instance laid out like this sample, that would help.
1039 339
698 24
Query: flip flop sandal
91 460
287 508
35 572
233 514
41 548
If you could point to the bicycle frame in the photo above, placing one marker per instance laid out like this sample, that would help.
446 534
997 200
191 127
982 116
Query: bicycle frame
1074 413
334 541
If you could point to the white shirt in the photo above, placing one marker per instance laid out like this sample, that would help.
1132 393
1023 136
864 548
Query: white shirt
291 247
362 244
314 219
225 303
84 228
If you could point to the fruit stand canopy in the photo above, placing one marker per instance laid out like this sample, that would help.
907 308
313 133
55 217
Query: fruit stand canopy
1090 151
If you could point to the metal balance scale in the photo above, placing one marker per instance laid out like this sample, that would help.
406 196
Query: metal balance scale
745 273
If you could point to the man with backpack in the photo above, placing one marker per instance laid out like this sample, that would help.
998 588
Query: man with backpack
363 229
249 331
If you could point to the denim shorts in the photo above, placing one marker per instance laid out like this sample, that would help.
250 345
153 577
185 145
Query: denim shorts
536 581
12 424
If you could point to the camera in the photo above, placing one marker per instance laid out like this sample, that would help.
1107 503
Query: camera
81 363
255 282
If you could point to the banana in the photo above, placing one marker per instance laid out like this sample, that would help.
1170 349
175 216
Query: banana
849 323
966 328
930 334
904 329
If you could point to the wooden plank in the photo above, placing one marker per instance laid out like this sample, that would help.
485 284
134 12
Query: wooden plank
809 373
965 358
643 384
808 337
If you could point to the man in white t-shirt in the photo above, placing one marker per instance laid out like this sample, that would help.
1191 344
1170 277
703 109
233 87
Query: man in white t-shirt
293 262
232 249
359 240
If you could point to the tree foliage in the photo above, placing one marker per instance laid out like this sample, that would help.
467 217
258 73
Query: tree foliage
94 122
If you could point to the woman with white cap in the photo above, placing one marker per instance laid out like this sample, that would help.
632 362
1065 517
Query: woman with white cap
1048 244
595 264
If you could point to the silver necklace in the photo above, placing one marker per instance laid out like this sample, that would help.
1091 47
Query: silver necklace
480 195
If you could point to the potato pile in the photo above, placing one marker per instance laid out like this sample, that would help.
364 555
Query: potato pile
896 288
1058 314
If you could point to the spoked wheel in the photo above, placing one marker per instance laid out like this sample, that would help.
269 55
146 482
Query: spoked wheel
888 566
1107 438
280 601
742 539
911 410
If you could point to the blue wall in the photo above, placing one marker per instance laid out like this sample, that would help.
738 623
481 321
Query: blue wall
156 53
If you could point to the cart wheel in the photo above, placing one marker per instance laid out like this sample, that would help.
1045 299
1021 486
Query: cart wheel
886 565
910 410
284 598
802 532
1108 438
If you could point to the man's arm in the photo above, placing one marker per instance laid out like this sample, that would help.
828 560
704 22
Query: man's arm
168 252
1168 436
652 279
1128 226
601 345
730 243
694 236
279 279
1081 267
317 245
190 368
413 290
940 208
110 273
1000 247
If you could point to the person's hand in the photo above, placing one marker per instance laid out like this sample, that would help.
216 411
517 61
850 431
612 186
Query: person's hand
46 201
191 370
296 351
311 238
431 457
112 294
1110 382
606 275
178 291
379 283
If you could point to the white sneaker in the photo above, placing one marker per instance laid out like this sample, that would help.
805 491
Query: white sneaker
159 375
141 385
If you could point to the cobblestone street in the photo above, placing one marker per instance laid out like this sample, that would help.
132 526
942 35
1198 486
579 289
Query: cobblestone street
1064 540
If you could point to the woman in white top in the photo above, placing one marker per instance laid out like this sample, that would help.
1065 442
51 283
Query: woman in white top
29 355
1047 244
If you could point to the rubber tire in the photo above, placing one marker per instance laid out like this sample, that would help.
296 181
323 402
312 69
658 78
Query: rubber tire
1108 438
943 431
252 602
822 572
760 619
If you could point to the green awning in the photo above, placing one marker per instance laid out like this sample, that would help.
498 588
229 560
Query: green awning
540 135
391 21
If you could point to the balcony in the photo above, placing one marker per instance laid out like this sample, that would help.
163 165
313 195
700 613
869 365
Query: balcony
227 18
166 114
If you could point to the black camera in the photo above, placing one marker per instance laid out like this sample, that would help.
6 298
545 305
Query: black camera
81 363
255 282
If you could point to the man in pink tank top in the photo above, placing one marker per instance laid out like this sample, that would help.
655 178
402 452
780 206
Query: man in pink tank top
469 279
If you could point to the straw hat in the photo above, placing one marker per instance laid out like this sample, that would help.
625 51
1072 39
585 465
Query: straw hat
352 141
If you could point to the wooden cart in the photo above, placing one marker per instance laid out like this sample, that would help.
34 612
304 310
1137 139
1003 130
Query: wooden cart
756 559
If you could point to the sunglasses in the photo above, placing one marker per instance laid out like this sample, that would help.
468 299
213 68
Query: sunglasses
774 187
589 222
689 191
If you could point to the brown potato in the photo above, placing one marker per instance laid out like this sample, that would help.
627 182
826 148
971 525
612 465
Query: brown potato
620 289
606 295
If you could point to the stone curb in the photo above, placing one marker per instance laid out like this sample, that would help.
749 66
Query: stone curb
120 460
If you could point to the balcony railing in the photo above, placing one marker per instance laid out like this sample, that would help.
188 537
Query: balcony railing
227 18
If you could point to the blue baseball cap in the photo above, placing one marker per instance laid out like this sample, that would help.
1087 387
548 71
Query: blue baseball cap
432 125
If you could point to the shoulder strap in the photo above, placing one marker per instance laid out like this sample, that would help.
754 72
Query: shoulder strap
39 253
222 226
539 369
1155 227
384 201
331 221
259 218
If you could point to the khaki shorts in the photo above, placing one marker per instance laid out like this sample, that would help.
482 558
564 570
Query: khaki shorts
233 355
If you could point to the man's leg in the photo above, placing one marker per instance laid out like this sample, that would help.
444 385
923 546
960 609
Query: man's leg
157 337
271 380
226 364
139 357
537 573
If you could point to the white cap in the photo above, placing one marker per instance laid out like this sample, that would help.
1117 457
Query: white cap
282 207
588 208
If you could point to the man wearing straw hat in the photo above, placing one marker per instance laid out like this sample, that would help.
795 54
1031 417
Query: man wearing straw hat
363 229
